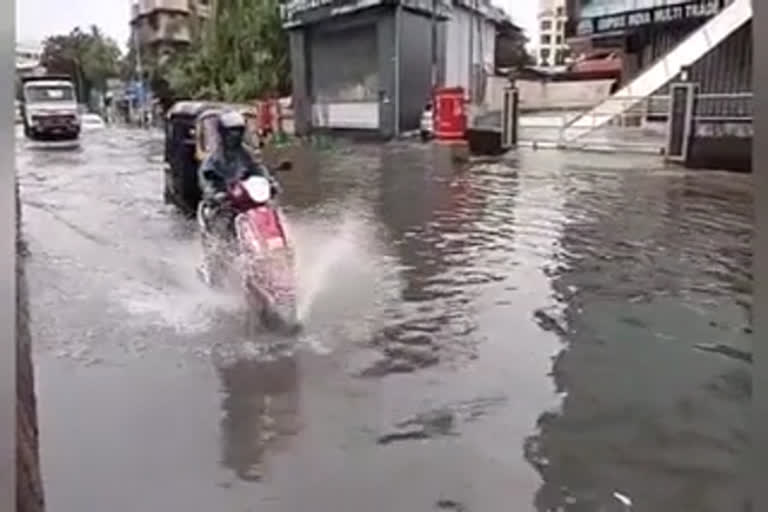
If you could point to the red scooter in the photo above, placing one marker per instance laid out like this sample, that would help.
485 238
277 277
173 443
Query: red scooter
262 250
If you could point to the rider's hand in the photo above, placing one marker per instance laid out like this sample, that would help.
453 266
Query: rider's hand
219 196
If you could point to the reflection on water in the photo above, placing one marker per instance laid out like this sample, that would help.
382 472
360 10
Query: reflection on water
429 211
468 278
260 409
651 266
646 265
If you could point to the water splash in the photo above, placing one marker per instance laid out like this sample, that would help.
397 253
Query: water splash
337 278
166 288
323 250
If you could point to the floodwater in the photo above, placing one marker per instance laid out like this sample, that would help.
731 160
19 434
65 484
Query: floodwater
554 332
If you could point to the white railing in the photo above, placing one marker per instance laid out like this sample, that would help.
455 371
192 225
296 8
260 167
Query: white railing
647 108
643 127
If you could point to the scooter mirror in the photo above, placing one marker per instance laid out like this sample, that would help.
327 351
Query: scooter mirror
285 165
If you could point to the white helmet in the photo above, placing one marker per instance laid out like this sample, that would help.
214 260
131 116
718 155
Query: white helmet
232 119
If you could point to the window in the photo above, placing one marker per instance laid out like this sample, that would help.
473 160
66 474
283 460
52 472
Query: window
546 24
251 137
544 55
208 134
49 93
559 26
154 21
560 11
560 57
546 39
558 39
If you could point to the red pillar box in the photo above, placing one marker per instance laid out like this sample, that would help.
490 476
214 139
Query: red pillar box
450 117
266 116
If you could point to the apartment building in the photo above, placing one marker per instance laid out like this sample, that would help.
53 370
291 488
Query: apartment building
28 58
552 50
162 26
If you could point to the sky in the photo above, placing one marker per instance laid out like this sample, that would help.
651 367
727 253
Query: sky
37 19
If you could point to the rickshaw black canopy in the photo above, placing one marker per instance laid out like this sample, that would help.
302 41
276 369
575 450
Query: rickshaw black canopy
190 135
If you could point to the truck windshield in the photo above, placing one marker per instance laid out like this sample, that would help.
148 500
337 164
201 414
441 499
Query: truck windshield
50 93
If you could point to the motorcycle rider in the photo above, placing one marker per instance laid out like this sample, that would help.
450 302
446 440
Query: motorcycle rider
229 163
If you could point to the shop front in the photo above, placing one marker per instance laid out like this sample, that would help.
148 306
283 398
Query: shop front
640 31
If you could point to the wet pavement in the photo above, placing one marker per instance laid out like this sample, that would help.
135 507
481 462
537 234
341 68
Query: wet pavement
554 332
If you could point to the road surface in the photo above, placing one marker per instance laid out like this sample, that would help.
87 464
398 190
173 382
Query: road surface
540 334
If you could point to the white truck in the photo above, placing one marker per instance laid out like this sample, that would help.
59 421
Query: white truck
49 108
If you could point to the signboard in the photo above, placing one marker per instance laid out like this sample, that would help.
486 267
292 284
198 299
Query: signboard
297 12
136 90
294 7
695 10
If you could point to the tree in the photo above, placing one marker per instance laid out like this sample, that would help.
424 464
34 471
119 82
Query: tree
100 59
241 53
510 47
90 58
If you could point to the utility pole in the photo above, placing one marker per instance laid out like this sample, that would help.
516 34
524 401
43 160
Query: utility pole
472 24
140 73
78 81
398 9
434 44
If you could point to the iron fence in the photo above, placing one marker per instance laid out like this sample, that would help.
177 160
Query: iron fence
723 107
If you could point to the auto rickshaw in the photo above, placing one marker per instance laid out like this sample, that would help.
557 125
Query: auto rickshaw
190 136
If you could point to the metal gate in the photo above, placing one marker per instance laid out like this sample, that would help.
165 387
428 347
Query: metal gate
642 128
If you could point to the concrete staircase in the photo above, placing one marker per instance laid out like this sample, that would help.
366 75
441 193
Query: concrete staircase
691 49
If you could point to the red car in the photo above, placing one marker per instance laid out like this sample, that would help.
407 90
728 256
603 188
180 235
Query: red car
597 65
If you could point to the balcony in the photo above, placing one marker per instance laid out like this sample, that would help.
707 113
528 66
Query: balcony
203 8
145 7
164 27
608 7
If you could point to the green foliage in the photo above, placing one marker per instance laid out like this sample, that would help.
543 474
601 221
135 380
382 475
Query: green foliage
239 55
510 47
90 58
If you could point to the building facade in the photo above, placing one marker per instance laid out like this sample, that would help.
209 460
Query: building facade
160 27
470 41
371 65
552 49
643 31
695 53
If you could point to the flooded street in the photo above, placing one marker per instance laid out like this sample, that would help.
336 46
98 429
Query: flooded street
555 332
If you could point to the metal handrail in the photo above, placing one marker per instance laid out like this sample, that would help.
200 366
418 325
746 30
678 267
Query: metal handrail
736 119
724 95
642 101
735 107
